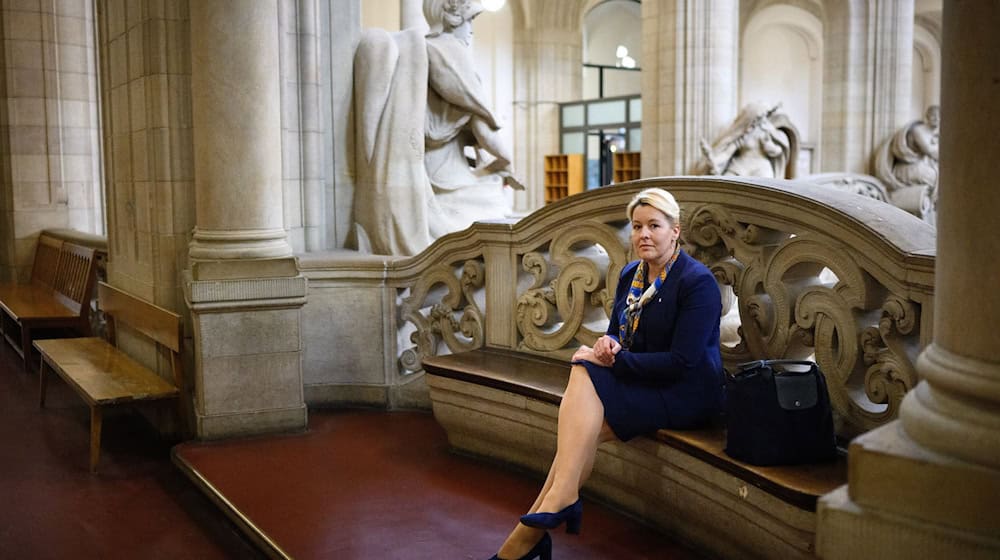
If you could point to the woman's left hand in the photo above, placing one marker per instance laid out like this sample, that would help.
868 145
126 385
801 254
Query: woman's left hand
586 354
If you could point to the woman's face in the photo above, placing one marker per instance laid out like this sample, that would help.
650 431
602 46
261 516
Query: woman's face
653 236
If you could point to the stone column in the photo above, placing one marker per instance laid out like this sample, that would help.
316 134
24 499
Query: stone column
926 486
868 54
689 59
236 104
548 50
244 288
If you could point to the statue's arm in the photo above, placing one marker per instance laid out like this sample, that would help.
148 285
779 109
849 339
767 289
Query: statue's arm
454 79
923 140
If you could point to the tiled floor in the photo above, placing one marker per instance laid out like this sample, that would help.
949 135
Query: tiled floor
357 485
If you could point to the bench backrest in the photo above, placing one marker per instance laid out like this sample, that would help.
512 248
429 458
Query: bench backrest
74 280
43 270
159 324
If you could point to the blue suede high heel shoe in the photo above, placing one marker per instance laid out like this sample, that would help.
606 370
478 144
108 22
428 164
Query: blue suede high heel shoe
542 549
571 514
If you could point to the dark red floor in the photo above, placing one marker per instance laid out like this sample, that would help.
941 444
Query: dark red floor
138 506
357 485
383 485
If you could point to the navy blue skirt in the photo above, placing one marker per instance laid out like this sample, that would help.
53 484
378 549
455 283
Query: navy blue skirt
630 408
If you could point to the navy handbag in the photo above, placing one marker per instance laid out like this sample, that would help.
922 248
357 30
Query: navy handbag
778 413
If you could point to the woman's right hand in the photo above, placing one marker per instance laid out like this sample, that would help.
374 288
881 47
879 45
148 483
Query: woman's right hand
605 349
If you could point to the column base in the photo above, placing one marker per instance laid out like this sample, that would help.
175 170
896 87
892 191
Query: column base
247 323
215 245
247 423
904 501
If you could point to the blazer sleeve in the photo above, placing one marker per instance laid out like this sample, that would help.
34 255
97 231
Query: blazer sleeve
698 313
621 291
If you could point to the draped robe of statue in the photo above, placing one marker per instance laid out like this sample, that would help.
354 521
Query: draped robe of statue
759 143
910 169
414 97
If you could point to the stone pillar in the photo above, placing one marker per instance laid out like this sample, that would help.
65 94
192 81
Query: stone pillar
302 124
244 288
548 52
237 133
868 54
689 79
926 486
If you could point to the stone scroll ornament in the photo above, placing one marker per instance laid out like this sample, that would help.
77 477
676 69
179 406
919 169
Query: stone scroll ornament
430 159
443 308
573 288
803 296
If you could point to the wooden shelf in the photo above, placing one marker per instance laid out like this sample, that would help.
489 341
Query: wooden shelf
564 176
627 166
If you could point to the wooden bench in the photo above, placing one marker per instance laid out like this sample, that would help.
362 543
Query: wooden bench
57 298
502 404
104 375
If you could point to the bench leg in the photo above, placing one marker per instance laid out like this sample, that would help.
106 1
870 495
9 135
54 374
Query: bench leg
41 383
26 347
95 437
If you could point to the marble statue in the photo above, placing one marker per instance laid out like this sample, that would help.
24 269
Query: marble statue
908 164
430 159
760 143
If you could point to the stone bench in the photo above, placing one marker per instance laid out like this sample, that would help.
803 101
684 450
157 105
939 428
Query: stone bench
502 405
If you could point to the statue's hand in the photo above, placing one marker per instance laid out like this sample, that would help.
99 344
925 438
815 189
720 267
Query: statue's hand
510 181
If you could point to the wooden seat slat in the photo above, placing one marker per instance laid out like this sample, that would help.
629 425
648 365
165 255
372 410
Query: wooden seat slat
545 379
103 373
35 302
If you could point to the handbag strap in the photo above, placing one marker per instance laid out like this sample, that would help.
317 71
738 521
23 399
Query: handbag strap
767 363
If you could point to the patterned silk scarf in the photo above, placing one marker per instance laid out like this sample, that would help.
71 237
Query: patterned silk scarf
637 299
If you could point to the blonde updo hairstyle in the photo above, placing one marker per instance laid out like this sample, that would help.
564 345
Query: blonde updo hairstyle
659 199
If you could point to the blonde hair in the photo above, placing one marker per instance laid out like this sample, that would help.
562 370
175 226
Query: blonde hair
659 199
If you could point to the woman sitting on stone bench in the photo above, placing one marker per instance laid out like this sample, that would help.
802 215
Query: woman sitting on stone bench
658 366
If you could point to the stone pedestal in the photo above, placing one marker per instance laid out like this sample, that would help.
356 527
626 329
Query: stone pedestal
248 352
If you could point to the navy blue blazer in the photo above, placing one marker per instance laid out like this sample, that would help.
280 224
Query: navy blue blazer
676 346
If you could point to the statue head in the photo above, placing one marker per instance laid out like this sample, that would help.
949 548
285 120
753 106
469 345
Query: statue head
933 116
445 15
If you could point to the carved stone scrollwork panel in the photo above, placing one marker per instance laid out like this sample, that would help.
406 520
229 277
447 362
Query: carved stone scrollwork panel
443 307
890 352
801 295
571 295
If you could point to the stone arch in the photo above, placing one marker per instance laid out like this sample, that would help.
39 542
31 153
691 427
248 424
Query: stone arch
770 36
926 70
605 25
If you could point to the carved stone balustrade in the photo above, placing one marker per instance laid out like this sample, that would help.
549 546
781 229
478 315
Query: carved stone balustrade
808 271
